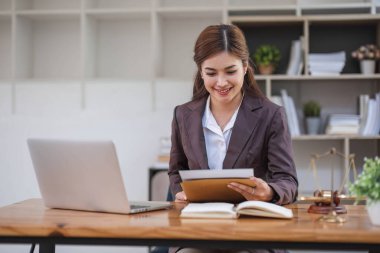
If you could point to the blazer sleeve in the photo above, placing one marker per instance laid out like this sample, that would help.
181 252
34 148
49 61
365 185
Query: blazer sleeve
178 158
282 176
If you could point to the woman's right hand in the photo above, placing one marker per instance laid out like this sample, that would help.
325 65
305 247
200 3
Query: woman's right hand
180 196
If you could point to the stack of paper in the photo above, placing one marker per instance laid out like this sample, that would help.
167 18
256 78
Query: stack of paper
343 124
327 64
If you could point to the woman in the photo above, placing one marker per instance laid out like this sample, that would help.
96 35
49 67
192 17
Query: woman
230 124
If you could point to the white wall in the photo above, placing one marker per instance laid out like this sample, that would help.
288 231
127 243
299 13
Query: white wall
117 110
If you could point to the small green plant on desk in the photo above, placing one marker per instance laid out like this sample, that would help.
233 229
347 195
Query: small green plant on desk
368 185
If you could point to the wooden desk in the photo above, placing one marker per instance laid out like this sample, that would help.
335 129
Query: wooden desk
30 222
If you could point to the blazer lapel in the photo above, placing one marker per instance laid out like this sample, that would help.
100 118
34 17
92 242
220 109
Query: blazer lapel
245 123
194 131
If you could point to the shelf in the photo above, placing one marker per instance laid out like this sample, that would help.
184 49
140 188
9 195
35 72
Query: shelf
202 12
336 8
343 18
260 4
111 50
48 5
5 15
118 4
188 4
263 9
309 77
5 48
48 47
49 14
119 14
334 137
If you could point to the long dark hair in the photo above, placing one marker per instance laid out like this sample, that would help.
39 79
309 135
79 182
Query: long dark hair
223 38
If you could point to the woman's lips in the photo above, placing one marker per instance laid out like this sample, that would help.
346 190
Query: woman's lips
223 92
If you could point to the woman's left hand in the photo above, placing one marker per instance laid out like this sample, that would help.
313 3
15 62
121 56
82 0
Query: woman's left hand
261 191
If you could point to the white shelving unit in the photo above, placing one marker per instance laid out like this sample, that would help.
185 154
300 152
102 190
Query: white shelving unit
336 94
78 48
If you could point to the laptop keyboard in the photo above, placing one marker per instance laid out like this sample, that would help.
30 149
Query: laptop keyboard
138 206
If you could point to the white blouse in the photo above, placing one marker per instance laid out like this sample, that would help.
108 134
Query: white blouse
216 140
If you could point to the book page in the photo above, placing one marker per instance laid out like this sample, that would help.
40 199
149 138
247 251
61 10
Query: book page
209 210
264 209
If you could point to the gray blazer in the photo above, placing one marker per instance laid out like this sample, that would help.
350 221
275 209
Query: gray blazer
260 139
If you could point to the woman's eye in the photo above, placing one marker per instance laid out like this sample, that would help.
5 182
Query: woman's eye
231 72
210 74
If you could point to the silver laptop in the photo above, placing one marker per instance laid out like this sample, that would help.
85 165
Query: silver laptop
83 175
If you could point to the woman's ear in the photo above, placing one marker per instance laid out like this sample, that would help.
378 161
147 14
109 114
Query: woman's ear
245 67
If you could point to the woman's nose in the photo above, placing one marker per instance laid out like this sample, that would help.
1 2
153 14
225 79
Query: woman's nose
221 80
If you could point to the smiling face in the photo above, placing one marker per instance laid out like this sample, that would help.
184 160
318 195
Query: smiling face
223 77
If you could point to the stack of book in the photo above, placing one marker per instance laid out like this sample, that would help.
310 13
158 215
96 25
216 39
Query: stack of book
327 63
343 124
370 115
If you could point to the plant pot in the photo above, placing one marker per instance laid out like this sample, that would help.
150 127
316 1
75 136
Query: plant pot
266 69
367 67
373 208
312 125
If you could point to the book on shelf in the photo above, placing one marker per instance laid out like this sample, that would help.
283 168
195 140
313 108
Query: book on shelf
363 110
229 211
295 63
277 100
371 120
194 183
291 113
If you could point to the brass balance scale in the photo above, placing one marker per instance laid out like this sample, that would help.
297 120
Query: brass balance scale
328 202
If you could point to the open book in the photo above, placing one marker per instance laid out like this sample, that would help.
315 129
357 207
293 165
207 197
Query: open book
211 185
227 210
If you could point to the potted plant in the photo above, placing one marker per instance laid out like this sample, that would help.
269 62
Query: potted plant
367 55
266 57
368 185
312 113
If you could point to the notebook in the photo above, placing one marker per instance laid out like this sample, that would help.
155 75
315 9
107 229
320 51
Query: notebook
83 175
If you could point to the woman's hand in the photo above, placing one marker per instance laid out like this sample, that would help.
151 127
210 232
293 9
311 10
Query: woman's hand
180 197
261 191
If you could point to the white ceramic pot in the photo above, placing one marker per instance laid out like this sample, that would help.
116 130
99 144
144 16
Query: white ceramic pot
373 209
367 67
